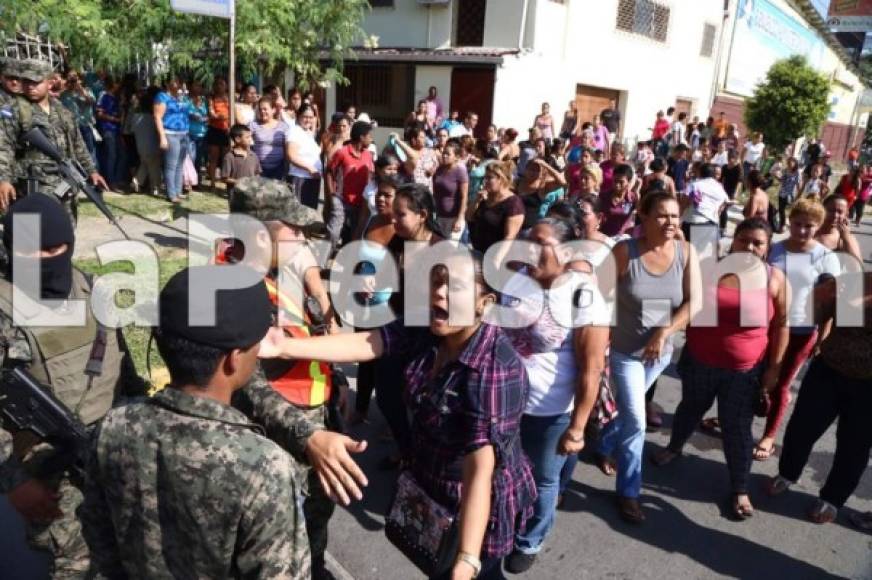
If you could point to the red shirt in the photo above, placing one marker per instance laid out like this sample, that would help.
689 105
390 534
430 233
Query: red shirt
354 170
661 128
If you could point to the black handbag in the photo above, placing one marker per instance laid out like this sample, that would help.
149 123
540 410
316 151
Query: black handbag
424 530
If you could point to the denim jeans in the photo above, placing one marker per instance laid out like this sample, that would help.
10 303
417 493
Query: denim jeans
174 162
624 438
197 151
109 157
539 438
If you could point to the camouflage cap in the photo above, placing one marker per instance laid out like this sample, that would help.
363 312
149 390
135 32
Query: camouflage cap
272 200
9 66
33 70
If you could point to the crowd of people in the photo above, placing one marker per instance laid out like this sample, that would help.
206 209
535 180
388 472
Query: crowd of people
489 421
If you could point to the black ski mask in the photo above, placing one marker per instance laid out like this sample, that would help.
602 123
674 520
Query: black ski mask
56 273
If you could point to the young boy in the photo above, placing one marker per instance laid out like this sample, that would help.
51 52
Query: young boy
240 161
678 166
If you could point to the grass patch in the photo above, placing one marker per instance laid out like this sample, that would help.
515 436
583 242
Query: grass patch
137 337
150 206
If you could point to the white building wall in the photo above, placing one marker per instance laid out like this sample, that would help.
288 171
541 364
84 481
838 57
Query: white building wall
845 88
427 76
577 43
409 24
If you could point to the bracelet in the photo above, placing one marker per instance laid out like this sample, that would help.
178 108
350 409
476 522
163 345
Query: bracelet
471 560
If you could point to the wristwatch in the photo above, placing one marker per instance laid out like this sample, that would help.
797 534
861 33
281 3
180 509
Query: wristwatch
471 560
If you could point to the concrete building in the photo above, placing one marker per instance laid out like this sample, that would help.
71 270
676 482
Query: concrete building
759 32
504 58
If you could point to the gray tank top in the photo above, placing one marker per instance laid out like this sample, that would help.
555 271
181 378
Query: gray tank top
660 295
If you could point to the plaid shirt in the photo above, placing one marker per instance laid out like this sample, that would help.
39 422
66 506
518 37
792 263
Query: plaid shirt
474 401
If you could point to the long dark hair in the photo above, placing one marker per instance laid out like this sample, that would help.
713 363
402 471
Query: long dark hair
420 199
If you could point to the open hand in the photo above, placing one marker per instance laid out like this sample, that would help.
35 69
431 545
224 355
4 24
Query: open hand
329 454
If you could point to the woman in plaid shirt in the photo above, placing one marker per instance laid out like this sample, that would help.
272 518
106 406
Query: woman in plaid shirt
466 390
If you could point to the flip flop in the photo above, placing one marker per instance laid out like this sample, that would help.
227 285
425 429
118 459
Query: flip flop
862 521
777 485
631 510
823 512
606 465
711 426
664 457
763 453
742 512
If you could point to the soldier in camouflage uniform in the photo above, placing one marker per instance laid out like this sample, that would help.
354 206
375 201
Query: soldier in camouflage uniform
183 485
10 82
86 368
35 108
305 384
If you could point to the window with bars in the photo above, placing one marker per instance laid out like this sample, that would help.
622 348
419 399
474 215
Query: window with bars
708 40
469 26
386 92
644 17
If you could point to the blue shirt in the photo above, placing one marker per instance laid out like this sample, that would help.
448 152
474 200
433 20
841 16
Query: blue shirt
176 115
109 105
197 117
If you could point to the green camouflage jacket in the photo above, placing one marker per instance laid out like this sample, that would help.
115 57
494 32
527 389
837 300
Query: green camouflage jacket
60 128
185 487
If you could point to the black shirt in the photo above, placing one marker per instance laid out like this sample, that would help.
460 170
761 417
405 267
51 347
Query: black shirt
730 177
611 119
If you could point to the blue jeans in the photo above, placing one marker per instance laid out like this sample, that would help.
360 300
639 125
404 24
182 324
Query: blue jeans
197 151
174 162
624 438
109 157
539 438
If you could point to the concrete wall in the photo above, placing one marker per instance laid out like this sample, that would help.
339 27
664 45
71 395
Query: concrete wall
427 76
409 24
577 43
502 23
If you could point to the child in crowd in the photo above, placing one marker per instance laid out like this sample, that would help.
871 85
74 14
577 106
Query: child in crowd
240 161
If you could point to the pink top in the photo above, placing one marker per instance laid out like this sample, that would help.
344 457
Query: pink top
729 345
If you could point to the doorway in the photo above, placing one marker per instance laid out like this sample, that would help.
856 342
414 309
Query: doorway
472 89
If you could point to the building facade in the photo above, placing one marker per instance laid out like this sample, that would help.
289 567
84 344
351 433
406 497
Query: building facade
504 58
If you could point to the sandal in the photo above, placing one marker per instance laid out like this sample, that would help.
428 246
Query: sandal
777 485
631 510
711 426
605 464
862 521
763 453
664 457
742 511
823 512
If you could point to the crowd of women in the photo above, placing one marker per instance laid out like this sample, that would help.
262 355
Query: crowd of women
489 421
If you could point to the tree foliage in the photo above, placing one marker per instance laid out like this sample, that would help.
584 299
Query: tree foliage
791 103
270 34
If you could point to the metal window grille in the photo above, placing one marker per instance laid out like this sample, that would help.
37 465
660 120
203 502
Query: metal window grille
643 17
708 40
470 22
384 91
25 46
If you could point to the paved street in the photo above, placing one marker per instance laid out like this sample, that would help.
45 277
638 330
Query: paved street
688 534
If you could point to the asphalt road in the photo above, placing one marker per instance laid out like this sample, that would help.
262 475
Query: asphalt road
687 536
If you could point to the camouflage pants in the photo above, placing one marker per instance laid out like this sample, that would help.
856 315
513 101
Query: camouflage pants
317 507
62 538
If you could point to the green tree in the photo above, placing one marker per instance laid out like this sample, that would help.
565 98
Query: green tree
792 102
311 37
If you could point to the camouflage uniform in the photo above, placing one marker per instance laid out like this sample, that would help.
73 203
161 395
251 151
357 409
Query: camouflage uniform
62 538
192 485
287 424
17 161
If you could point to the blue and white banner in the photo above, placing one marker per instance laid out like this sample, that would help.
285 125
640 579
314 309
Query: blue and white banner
764 33
218 8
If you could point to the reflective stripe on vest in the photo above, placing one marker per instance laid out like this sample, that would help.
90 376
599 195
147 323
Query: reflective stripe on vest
304 383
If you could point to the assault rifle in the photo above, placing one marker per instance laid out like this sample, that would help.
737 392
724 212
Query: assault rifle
72 172
27 405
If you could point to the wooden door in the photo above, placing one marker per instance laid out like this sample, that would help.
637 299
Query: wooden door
684 106
472 89
592 100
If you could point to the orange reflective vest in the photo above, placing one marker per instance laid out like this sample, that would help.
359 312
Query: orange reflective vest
302 382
